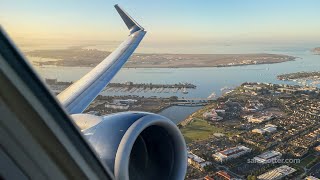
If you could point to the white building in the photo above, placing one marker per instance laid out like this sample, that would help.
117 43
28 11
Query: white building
222 111
117 106
124 101
231 153
268 157
251 87
277 173
197 161
212 115
269 128
259 131
260 119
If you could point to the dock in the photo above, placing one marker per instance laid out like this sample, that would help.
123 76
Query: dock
133 87
149 87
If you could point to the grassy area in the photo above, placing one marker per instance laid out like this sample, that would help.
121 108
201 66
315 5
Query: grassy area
304 162
199 129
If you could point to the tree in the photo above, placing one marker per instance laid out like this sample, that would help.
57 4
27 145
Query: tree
173 98
251 177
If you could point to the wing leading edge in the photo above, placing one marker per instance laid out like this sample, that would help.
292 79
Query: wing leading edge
77 97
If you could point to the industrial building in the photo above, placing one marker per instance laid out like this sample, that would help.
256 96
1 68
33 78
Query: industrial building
117 106
269 128
268 157
231 153
197 161
212 115
277 173
124 101
259 119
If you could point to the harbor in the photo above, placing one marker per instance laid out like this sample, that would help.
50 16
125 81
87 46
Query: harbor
207 80
149 87
130 87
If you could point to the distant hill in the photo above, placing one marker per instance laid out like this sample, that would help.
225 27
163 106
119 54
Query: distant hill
316 50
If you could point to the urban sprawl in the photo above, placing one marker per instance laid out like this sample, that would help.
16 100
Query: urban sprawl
255 131
262 131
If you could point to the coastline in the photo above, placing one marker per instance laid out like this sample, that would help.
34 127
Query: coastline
170 67
92 57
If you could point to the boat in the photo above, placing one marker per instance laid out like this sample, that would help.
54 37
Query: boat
212 95
185 91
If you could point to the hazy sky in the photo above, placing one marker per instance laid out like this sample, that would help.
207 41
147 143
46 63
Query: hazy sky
167 21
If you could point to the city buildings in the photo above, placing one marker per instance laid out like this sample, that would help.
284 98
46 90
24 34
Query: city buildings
231 153
125 101
197 161
259 119
212 115
277 173
267 157
317 148
117 106
121 104
288 125
311 178
208 178
222 175
269 128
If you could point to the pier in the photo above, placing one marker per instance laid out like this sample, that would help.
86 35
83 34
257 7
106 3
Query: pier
134 87
149 87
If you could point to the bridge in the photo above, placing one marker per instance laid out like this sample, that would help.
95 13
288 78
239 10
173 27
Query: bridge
192 102
195 100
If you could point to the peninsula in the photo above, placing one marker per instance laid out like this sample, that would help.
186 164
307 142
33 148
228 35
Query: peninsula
313 75
91 57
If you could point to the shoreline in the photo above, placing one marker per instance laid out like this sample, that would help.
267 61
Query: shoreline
161 67
92 57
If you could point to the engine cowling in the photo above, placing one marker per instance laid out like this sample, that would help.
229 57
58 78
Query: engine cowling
137 145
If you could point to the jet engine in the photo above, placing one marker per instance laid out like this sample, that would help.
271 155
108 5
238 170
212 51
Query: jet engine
136 145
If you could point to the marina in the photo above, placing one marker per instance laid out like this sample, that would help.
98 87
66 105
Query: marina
130 87
191 102
207 80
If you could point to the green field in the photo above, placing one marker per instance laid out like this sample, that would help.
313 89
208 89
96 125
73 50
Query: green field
199 129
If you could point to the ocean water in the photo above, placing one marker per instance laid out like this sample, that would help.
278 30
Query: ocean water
207 80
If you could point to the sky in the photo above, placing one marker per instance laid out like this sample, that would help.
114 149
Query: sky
168 22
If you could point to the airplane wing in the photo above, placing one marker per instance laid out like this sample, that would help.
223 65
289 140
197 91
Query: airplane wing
77 97
129 145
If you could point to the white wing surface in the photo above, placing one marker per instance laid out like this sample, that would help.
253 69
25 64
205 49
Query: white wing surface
77 97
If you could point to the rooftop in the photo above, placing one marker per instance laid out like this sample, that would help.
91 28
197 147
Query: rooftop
195 158
277 173
234 150
269 155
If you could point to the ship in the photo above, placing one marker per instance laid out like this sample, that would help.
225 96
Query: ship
212 95
185 91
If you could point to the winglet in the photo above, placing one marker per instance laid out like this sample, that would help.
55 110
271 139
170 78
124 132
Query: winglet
132 25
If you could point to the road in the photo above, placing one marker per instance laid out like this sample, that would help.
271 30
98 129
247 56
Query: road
315 171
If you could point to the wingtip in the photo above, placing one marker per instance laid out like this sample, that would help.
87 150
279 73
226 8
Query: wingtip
132 25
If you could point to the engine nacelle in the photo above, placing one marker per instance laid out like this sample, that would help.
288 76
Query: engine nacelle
137 145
